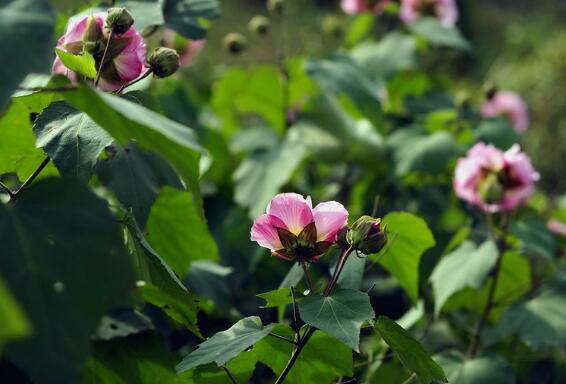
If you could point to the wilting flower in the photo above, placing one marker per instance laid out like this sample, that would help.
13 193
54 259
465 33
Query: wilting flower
509 105
494 180
292 230
187 49
125 57
445 10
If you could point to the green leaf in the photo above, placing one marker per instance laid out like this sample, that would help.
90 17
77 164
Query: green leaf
360 28
439 35
467 266
125 121
497 132
279 297
539 322
341 314
410 237
187 17
410 352
535 237
61 249
226 345
83 63
177 233
322 359
26 33
122 322
341 75
17 144
15 324
414 151
140 359
394 53
210 280
353 272
159 285
260 176
488 368
135 177
241 368
71 139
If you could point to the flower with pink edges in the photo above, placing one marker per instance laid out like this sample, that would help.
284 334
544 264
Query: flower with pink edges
354 7
494 180
510 105
293 230
445 10
125 57
557 227
187 49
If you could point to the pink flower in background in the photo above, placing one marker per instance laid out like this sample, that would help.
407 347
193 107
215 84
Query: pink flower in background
187 49
509 105
292 230
445 10
557 227
353 7
494 180
125 57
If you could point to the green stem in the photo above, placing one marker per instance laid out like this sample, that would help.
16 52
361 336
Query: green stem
146 74
232 378
307 276
32 177
98 72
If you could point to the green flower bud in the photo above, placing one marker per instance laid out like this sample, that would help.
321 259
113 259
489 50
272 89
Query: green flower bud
259 25
332 26
235 43
276 6
366 235
163 62
490 190
93 32
119 20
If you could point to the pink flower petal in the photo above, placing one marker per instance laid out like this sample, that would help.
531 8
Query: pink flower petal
293 210
508 104
264 232
329 218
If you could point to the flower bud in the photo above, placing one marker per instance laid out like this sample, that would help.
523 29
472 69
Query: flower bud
366 235
276 6
93 32
163 62
235 43
119 20
259 25
342 238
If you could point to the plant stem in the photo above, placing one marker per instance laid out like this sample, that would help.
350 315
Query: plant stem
308 334
6 189
282 338
98 72
232 378
32 177
146 74
63 88
295 317
307 276
501 247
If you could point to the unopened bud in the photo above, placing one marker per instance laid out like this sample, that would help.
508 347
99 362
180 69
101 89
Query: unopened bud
332 26
366 235
119 20
235 43
342 238
259 25
276 6
163 62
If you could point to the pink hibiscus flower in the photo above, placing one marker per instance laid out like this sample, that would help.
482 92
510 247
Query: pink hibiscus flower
509 105
445 10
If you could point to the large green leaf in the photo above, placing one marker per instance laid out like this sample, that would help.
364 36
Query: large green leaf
341 314
535 237
540 322
278 297
322 359
414 151
135 177
498 132
467 266
409 351
83 63
226 345
71 139
15 324
139 359
177 233
26 41
125 120
17 144
240 367
190 18
61 249
341 75
410 237
488 368
436 34
159 285
353 272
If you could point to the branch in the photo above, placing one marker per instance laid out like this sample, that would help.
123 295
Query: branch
295 317
97 78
